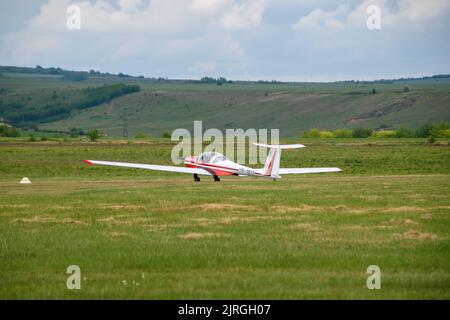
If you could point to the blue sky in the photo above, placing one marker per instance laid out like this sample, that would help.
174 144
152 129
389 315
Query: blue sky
304 40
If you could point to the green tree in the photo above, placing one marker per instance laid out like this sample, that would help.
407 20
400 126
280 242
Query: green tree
362 133
403 133
93 135
6 131
140 135
74 132
423 131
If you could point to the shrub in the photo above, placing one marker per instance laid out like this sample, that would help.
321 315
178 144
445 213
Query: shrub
32 138
93 135
342 133
140 135
445 133
404 133
44 138
6 131
166 135
440 130
362 132
384 134
74 132
423 131
313 133
326 134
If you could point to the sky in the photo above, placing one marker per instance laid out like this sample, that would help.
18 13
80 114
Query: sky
285 40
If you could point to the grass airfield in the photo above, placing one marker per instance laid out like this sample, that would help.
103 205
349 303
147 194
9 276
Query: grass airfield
138 234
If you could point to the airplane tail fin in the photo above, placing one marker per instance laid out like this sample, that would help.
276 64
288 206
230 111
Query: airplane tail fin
272 164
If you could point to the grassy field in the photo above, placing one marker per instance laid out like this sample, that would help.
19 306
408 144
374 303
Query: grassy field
163 107
139 234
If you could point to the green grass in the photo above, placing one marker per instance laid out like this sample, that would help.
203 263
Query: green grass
310 236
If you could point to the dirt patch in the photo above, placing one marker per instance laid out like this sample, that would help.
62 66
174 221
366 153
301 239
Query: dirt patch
400 223
355 228
306 227
125 220
205 222
370 197
308 208
115 234
13 206
416 235
409 221
427 216
48 219
122 207
405 209
288 209
195 235
62 207
224 206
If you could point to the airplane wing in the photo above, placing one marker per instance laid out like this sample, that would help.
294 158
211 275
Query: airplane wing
306 170
149 167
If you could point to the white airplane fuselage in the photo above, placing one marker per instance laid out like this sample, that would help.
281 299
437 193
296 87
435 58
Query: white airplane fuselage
222 167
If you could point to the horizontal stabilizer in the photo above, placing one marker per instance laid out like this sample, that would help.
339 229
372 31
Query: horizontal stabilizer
280 146
306 170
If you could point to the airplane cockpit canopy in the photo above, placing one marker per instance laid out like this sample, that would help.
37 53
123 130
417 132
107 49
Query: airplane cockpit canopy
211 157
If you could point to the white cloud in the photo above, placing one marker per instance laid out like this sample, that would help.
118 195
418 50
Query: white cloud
394 14
130 5
320 18
244 15
405 14
265 39
135 27
211 6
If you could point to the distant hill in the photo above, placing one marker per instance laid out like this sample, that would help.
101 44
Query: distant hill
162 105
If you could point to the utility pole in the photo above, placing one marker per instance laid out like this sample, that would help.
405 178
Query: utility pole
125 122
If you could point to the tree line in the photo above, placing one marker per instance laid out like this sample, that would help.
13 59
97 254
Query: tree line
21 115
436 130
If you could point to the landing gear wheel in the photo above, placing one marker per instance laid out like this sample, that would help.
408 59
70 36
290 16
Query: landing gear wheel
196 178
216 178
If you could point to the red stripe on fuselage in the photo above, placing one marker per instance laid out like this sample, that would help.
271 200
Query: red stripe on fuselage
210 166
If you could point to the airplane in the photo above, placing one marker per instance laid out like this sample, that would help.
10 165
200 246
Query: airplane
215 164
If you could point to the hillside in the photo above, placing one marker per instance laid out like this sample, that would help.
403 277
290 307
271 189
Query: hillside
161 106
